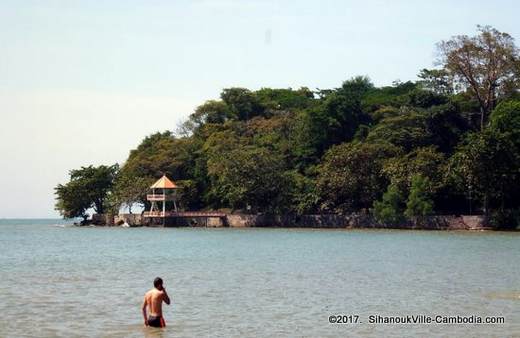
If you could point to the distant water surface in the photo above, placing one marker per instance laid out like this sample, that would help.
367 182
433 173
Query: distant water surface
63 281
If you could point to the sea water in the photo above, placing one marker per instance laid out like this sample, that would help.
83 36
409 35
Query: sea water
58 280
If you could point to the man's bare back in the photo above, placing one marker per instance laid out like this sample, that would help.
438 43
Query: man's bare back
153 301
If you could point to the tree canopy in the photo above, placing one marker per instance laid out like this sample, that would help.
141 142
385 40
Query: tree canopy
446 143
88 188
487 65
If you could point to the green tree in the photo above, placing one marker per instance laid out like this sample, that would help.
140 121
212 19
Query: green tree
419 201
390 209
350 176
130 190
345 111
285 99
506 120
486 167
395 96
72 200
161 153
408 130
437 80
211 112
188 195
242 102
311 128
334 120
274 133
88 188
446 125
425 98
249 177
303 197
384 112
427 161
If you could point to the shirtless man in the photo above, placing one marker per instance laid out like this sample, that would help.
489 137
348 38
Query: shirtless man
153 299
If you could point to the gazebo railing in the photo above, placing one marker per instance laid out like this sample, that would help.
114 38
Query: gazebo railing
159 197
183 214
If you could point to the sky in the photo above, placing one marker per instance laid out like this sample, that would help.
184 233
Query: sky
83 82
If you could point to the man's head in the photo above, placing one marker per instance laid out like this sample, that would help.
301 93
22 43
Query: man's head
157 283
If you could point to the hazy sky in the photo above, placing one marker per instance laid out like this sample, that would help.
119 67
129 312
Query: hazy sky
82 82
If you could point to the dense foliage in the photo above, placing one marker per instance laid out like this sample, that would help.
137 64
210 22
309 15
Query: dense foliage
390 209
448 143
89 187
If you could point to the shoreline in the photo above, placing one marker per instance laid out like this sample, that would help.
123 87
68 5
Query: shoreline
309 221
374 229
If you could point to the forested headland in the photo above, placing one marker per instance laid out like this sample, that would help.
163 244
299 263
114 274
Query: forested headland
448 143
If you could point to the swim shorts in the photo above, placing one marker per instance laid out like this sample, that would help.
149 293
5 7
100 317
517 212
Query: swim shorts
155 321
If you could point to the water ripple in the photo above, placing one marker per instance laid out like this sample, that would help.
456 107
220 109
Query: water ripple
89 282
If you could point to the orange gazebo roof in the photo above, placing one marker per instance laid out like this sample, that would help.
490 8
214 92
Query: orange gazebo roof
164 183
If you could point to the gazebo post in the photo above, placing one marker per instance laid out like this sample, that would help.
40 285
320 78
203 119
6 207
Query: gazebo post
163 207
164 202
153 202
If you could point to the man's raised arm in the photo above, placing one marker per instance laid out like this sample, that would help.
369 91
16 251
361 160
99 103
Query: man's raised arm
166 298
144 306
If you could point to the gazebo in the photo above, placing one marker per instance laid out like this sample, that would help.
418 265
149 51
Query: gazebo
163 190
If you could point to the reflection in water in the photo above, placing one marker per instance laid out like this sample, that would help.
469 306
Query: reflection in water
89 282
512 295
153 332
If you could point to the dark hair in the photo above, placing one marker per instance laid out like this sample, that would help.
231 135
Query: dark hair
157 282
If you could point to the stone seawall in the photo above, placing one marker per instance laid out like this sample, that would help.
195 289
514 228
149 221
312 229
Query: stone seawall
351 221
102 219
300 221
447 222
138 220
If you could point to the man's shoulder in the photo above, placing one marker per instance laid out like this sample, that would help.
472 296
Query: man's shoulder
154 292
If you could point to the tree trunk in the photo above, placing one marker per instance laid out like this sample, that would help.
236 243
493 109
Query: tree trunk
482 113
84 222
486 212
99 207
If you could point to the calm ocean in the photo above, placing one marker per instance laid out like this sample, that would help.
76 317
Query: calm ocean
63 281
